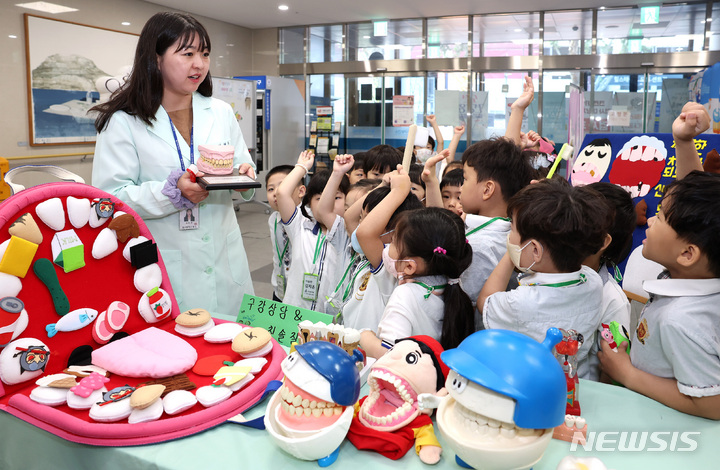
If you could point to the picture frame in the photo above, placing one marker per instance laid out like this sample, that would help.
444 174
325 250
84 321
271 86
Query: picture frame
70 68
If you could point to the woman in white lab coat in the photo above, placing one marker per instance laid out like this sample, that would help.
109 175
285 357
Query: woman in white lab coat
148 134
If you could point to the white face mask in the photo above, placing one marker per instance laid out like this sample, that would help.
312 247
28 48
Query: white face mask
390 262
422 155
514 252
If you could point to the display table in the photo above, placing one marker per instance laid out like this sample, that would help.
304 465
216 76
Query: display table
608 409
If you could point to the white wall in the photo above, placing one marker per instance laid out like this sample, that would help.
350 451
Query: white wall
237 59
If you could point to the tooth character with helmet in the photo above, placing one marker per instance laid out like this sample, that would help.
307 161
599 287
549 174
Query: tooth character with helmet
389 420
506 394
309 416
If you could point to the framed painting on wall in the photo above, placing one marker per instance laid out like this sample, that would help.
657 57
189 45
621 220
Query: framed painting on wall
70 68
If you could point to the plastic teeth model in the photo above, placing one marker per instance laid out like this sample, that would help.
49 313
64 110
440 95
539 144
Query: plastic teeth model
311 413
500 414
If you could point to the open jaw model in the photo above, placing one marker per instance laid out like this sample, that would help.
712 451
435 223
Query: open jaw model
500 414
390 420
310 415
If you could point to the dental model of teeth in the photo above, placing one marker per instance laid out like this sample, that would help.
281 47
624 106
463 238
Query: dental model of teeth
216 159
573 429
295 404
347 338
379 380
484 428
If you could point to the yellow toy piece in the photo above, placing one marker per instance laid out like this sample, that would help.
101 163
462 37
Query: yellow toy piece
4 187
18 257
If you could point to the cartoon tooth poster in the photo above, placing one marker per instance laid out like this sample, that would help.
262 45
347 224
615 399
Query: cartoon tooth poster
643 165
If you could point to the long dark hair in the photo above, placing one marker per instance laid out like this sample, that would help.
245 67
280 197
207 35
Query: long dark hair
142 93
438 237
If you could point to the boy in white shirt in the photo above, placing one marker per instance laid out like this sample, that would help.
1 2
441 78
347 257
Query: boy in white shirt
675 356
554 228
281 253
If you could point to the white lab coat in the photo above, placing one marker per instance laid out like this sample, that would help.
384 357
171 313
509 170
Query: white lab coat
207 267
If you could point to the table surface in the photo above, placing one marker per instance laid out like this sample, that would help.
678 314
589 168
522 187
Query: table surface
608 409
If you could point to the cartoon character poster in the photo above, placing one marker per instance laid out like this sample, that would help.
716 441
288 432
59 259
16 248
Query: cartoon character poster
643 165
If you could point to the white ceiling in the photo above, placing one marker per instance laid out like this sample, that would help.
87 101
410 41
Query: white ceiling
257 14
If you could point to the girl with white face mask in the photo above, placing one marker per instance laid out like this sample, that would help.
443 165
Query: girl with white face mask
428 253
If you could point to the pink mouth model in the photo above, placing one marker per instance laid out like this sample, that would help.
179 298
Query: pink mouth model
216 159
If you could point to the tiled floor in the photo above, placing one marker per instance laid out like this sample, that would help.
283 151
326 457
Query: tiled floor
253 220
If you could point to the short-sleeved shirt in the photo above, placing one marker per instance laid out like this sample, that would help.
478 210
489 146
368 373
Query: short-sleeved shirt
280 246
615 307
535 305
410 311
306 238
373 288
678 334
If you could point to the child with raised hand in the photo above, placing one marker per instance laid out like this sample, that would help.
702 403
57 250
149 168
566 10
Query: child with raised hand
513 131
555 227
428 253
307 283
617 246
692 121
381 159
357 173
282 251
675 356
381 209
433 195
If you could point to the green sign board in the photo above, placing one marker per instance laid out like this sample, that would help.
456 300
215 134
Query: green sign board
280 319
650 15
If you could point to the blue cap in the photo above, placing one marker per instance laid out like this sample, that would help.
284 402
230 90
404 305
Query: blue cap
337 366
517 366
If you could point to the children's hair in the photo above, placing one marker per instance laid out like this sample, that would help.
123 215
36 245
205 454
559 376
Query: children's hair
415 175
453 165
359 158
365 183
438 237
383 158
502 161
284 169
570 223
431 141
316 185
689 206
624 220
452 178
373 198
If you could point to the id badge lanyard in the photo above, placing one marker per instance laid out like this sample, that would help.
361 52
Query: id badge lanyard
281 256
477 229
348 288
311 281
177 145
193 223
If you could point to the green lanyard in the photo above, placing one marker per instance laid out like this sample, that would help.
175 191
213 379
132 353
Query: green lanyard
277 248
616 274
430 289
476 229
574 282
350 285
319 245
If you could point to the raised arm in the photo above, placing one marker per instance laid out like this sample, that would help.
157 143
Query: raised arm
458 131
373 225
341 165
693 120
433 196
286 204
517 109
439 142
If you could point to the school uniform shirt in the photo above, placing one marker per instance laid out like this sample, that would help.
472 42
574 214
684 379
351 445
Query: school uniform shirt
339 256
410 311
677 334
313 253
280 246
535 305
207 267
489 245
615 307
373 289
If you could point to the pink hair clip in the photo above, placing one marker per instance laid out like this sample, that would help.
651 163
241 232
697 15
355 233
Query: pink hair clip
439 249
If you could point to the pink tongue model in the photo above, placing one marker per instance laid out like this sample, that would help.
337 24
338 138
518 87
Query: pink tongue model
216 159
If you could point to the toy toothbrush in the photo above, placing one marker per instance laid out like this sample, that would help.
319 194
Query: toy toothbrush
566 152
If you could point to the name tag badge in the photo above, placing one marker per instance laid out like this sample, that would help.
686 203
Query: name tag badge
310 286
281 285
189 219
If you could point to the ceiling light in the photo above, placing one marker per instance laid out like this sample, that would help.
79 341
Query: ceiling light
46 7
12 36
517 30
283 7
366 37
125 23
